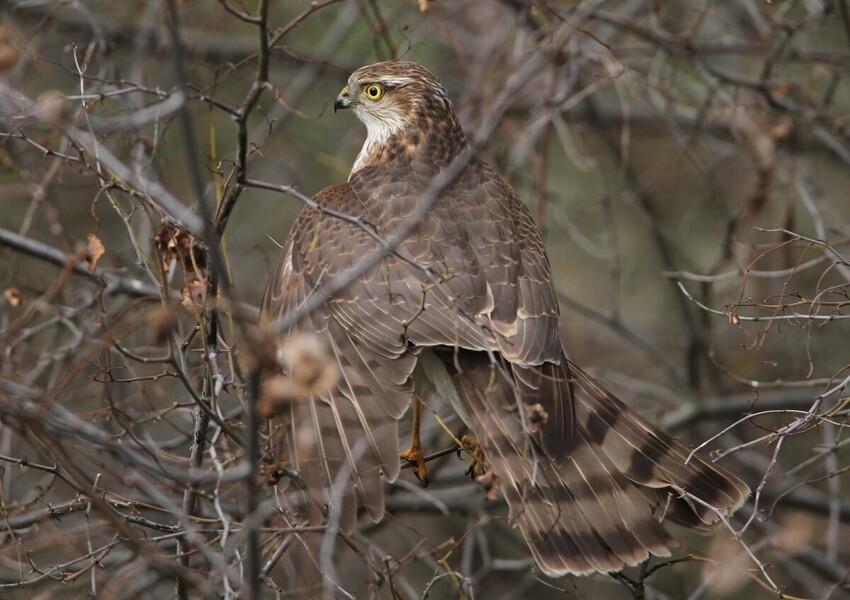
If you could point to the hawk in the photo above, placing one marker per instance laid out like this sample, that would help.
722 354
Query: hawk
463 309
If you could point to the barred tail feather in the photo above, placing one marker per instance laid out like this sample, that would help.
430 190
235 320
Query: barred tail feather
588 512
651 458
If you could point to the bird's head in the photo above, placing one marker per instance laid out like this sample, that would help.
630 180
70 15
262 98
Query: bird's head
407 113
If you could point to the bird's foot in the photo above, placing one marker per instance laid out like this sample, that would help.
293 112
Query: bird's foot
478 461
480 470
415 457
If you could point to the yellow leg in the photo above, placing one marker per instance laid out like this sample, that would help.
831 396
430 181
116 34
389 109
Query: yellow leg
414 454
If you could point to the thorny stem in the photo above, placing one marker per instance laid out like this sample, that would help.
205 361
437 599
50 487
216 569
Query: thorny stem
217 276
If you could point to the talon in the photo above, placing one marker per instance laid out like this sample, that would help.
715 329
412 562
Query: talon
416 458
459 448
478 466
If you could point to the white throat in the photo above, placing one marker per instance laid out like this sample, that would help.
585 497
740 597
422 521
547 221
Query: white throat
380 126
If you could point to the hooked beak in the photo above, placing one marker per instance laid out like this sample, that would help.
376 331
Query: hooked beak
343 100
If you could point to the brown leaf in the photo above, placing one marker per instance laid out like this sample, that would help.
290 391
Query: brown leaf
194 295
491 484
261 351
53 107
309 363
782 127
276 395
749 126
13 296
797 531
94 250
10 52
176 244
537 417
162 321
725 573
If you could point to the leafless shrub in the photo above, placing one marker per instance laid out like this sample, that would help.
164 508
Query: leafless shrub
687 162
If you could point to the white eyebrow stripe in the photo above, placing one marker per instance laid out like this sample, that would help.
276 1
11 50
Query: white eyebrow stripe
395 81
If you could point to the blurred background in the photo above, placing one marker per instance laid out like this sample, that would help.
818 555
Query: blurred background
688 163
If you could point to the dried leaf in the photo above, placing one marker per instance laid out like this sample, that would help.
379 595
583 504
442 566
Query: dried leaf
10 52
162 321
13 296
176 244
94 250
194 295
261 351
782 127
308 366
750 127
491 484
309 363
536 416
276 395
725 574
797 531
53 107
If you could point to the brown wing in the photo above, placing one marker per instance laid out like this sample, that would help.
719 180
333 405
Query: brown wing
492 284
351 434
487 287
473 274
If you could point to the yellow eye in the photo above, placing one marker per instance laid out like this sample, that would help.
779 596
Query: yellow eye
374 91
